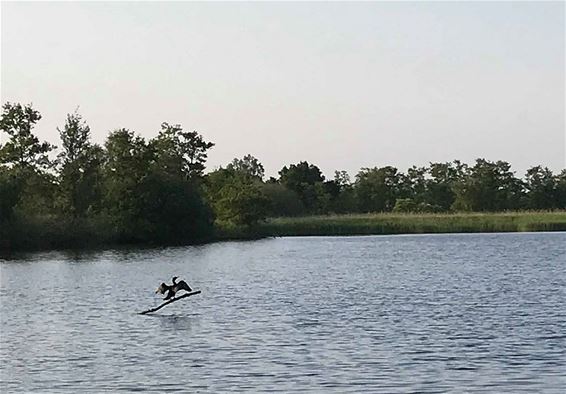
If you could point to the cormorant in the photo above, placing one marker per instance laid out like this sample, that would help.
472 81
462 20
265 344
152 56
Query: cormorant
173 289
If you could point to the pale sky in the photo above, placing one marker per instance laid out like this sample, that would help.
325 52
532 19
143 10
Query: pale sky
341 85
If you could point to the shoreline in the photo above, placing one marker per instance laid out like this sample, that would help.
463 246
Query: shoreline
389 223
322 225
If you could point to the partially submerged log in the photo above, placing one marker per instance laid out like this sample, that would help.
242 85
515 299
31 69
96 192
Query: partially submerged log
169 302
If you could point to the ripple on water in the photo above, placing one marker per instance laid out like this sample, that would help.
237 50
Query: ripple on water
443 313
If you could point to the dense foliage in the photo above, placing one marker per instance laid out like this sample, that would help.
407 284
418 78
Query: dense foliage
156 191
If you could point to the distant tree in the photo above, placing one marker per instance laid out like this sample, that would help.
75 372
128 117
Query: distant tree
249 166
541 188
443 179
296 176
405 205
489 186
10 190
272 180
306 180
377 188
27 160
173 210
81 163
332 189
282 201
151 192
180 152
342 179
318 198
127 163
345 201
560 181
236 198
413 185
23 150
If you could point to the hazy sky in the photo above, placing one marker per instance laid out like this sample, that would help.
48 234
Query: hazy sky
342 85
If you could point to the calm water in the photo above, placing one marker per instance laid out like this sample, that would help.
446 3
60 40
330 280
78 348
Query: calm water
432 313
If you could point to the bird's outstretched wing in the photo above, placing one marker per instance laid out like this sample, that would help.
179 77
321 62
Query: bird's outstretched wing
183 285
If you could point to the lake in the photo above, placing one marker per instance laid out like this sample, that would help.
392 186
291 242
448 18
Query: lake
420 313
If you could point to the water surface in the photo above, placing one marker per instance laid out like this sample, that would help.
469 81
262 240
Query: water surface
429 313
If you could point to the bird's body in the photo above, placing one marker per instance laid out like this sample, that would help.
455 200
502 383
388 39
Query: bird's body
173 289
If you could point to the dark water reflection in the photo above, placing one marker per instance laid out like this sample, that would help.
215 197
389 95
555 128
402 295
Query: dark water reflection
434 313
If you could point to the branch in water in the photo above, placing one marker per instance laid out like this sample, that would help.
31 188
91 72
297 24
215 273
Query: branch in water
169 301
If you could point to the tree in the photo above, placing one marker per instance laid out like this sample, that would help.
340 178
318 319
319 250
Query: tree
10 190
560 180
440 186
541 188
180 152
405 205
173 210
413 185
297 175
489 186
377 188
345 200
236 198
249 166
127 163
80 162
306 180
152 191
282 201
27 160
23 150
342 179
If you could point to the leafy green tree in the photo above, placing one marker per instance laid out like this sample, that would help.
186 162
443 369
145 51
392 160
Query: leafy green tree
377 189
443 179
23 149
318 196
28 160
173 210
297 175
236 198
405 205
307 181
540 184
81 163
560 180
489 186
342 179
282 201
152 193
9 194
249 166
345 201
413 185
128 158
180 152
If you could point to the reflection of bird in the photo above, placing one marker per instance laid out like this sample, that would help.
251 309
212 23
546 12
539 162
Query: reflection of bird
172 289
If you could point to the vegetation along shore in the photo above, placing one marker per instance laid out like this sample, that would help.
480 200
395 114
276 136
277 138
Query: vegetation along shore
391 223
130 190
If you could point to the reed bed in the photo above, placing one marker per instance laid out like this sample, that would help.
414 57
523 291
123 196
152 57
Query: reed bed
390 223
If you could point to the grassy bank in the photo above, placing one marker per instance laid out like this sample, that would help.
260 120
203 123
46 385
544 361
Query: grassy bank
48 233
388 223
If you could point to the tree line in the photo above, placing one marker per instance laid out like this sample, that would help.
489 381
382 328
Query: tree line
156 190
